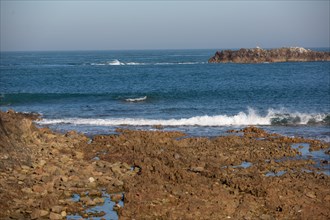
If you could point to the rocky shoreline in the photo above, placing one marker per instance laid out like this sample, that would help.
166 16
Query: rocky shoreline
158 175
259 55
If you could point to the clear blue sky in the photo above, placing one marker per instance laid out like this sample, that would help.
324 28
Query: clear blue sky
107 25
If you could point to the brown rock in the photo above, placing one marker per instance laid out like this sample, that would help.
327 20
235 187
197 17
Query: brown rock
64 179
197 169
98 200
27 190
90 202
116 169
95 193
258 55
126 166
116 207
311 195
55 216
64 159
118 183
57 209
116 197
38 213
266 217
38 188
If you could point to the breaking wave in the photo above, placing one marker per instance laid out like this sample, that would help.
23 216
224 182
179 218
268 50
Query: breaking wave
140 99
119 63
273 117
111 63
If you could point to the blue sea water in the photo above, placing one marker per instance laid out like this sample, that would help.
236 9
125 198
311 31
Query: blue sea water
98 91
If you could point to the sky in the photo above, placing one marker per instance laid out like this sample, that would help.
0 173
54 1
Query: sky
123 25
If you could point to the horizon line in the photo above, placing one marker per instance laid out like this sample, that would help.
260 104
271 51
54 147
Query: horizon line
139 49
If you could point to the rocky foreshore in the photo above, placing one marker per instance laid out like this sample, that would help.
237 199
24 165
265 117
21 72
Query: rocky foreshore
157 174
259 55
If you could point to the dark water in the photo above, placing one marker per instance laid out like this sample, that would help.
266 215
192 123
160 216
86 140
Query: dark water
95 92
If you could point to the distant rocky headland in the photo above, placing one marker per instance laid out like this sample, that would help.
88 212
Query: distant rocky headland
259 55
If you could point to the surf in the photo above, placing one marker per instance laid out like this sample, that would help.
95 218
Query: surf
140 99
252 117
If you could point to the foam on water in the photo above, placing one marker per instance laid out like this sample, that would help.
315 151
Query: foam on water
241 119
81 89
140 99
111 63
116 62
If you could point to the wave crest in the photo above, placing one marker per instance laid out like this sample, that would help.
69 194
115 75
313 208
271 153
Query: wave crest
119 63
140 99
241 119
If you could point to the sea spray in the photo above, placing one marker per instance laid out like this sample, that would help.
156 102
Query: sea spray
252 117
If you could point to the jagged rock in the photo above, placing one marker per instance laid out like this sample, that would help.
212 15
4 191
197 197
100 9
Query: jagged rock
258 55
172 177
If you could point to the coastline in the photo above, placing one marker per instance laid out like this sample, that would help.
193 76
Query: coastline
158 174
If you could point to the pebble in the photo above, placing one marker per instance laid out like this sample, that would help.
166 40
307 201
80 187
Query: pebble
116 207
197 169
311 195
91 179
42 163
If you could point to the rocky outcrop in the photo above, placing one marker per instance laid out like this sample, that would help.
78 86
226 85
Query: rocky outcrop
259 55
157 174
41 170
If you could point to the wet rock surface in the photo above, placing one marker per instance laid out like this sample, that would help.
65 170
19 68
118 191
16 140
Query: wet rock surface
259 55
157 174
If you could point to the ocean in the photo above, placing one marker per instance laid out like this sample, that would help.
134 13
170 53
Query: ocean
96 92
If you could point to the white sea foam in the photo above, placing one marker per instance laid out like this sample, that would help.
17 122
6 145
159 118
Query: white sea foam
140 99
191 63
135 63
241 119
180 63
98 64
115 63
119 63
